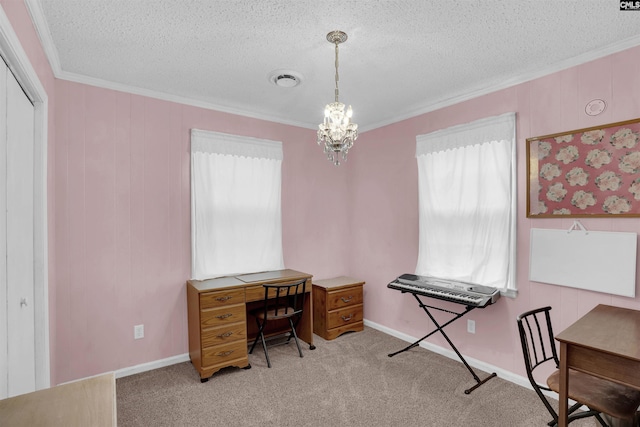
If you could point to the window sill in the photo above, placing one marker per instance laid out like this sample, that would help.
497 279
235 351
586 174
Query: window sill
509 293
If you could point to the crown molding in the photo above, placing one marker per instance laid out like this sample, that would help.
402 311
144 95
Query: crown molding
37 15
523 78
105 84
42 29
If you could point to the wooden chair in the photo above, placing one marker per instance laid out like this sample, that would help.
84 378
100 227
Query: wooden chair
281 301
598 395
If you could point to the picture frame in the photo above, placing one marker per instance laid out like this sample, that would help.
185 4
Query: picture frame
591 172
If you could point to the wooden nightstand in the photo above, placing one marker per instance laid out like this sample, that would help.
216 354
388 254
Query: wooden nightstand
337 306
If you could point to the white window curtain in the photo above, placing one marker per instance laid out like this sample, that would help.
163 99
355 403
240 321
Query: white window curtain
467 202
236 222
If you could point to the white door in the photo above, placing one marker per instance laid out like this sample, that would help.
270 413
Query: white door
17 365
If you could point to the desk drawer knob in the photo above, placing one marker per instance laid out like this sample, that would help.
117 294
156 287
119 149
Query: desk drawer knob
346 300
224 316
347 318
225 353
225 335
224 298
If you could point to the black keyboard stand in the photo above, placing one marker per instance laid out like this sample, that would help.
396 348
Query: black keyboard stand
439 327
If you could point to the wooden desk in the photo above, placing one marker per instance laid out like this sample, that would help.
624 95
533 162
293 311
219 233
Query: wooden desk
90 402
605 343
218 309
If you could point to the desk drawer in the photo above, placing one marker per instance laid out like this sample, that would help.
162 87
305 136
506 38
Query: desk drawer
256 293
344 298
224 354
224 334
222 316
345 316
221 298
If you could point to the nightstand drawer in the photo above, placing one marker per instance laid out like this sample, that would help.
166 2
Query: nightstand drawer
344 298
222 316
224 334
344 316
221 298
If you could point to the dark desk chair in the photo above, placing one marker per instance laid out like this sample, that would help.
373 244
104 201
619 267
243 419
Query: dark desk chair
600 396
281 301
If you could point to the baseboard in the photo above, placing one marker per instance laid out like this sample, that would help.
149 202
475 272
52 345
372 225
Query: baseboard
483 366
486 367
149 366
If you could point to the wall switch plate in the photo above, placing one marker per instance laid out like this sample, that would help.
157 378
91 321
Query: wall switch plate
138 332
471 326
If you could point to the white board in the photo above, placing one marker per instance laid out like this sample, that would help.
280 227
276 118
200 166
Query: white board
594 260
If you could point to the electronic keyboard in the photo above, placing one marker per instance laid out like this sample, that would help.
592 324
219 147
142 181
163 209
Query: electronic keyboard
470 294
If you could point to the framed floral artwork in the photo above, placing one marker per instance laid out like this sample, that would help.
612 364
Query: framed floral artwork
591 172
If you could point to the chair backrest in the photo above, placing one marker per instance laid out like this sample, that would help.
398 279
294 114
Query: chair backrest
536 337
538 347
284 299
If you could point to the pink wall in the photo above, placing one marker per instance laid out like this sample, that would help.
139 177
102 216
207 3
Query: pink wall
384 207
119 206
123 221
20 20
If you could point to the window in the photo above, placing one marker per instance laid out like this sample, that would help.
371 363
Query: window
235 205
467 202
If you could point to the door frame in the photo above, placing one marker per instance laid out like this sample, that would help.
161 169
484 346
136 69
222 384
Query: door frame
18 62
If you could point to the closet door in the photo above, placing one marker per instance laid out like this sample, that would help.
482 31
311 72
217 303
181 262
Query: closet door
18 185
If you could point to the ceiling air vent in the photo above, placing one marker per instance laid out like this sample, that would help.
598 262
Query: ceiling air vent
285 78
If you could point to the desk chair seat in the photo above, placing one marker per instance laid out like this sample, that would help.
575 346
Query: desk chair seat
599 395
281 301
603 396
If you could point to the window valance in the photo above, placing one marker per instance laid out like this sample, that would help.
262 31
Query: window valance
490 129
234 145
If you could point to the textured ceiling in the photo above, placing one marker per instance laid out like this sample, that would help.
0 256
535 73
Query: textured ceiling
402 58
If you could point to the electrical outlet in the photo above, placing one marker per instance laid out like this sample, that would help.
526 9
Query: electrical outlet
138 332
471 326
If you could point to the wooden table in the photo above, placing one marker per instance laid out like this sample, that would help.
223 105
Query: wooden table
605 343
89 402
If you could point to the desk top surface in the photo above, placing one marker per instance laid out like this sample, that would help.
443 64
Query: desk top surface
89 402
243 280
607 329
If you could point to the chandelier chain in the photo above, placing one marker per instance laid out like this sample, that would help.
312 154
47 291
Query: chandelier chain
337 75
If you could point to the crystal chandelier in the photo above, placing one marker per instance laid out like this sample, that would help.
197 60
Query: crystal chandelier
337 133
